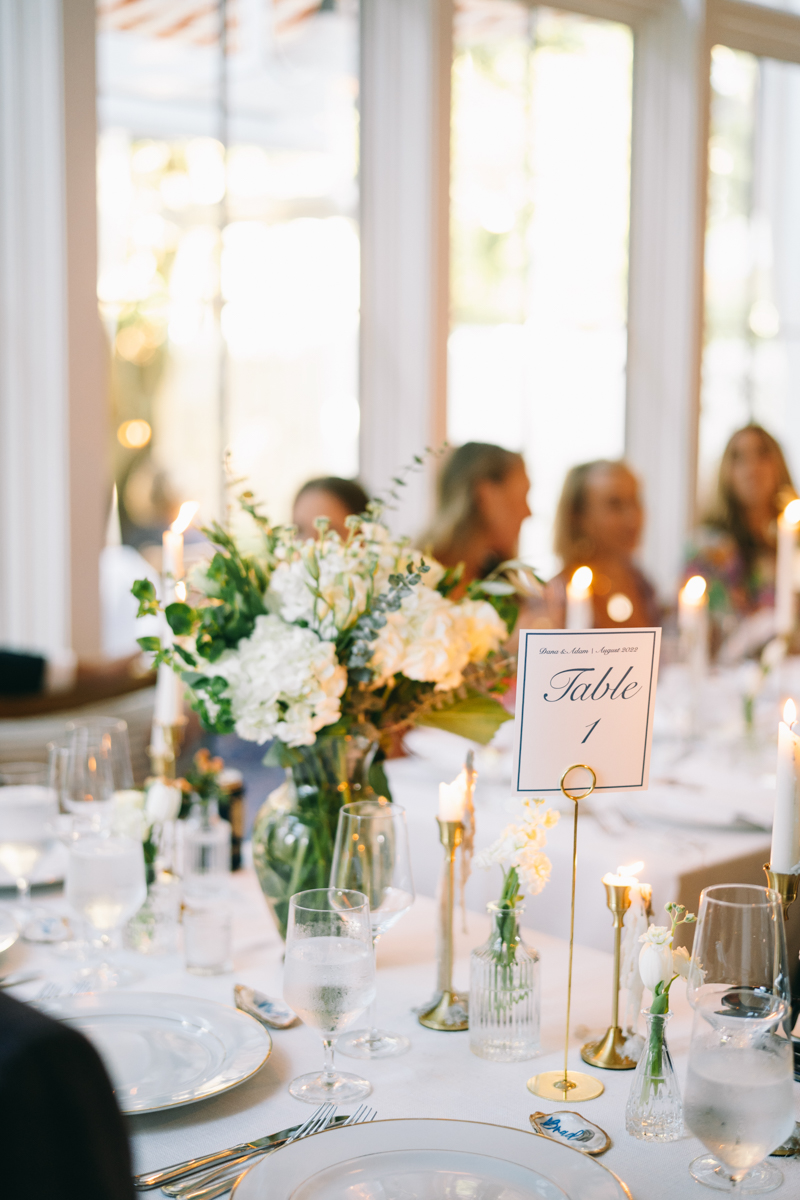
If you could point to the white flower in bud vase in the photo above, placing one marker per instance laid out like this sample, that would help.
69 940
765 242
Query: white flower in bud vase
655 956
163 802
681 962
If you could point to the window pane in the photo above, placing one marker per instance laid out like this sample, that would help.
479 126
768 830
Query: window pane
539 241
751 359
228 278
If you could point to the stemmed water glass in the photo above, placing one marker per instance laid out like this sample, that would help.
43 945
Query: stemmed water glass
371 855
97 763
28 817
738 1099
329 980
105 885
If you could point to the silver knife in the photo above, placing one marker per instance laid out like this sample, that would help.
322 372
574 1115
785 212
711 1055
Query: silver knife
156 1179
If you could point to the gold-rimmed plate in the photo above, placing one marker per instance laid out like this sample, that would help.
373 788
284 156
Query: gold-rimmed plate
416 1158
163 1051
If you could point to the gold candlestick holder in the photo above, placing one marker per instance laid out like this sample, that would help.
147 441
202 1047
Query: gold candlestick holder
609 1052
575 1085
163 757
448 1011
785 885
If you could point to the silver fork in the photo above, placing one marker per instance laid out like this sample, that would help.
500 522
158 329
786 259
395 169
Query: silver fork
216 1183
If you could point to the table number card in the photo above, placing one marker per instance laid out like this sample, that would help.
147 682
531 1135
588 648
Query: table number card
585 697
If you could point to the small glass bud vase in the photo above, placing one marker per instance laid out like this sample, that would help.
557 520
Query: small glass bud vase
504 996
654 1112
206 845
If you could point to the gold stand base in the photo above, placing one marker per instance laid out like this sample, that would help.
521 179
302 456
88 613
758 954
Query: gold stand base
609 1052
448 1013
785 885
550 1086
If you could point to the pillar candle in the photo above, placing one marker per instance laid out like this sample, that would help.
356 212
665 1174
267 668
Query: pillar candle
580 609
453 798
693 623
788 523
785 853
168 705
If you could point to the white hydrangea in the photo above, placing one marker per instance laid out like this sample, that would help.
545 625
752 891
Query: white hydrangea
431 639
284 682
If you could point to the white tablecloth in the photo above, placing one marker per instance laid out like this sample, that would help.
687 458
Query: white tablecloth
439 1077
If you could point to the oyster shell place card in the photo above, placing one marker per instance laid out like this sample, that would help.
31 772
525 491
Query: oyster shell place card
585 696
571 1129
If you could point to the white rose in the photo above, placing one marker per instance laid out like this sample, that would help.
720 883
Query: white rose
163 802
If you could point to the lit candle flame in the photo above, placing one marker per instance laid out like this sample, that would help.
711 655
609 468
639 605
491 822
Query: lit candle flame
789 712
185 516
180 591
791 514
631 869
582 579
694 590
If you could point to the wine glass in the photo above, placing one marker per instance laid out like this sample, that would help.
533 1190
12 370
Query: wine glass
20 774
98 764
371 856
329 980
28 816
738 1099
105 884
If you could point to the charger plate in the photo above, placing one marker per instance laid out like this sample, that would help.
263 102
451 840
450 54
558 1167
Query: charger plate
428 1160
163 1051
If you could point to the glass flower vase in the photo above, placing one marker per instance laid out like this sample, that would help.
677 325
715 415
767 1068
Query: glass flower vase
654 1112
295 829
504 997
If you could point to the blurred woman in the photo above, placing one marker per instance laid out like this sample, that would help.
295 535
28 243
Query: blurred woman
599 525
482 500
331 497
735 548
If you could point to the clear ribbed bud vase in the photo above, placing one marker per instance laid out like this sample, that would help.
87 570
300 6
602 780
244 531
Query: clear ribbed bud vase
504 992
654 1112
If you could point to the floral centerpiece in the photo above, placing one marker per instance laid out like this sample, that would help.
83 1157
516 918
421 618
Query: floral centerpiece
331 649
504 972
148 816
654 1111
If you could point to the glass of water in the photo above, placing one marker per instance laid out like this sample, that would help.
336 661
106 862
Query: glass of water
329 980
371 855
105 884
738 1098
28 815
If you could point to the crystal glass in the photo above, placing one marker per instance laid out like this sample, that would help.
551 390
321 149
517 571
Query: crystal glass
329 980
738 1098
206 846
654 1112
98 764
207 937
28 816
105 885
371 856
504 992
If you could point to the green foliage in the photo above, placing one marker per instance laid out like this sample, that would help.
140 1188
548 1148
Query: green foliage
477 717
145 593
354 645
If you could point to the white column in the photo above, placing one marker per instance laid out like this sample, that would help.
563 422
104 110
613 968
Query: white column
666 256
52 440
405 172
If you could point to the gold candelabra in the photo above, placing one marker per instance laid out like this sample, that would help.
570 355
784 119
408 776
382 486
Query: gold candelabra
448 1011
558 1085
609 1052
164 753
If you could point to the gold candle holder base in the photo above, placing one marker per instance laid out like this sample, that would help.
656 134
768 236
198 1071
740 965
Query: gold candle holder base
785 885
448 1012
164 756
570 1085
609 1052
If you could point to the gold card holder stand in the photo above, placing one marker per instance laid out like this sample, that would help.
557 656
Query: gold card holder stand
566 1084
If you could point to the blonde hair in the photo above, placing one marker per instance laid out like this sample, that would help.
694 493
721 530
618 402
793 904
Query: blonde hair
571 546
457 515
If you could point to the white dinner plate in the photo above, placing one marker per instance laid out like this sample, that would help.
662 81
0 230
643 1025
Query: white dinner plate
163 1050
428 1160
